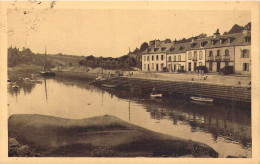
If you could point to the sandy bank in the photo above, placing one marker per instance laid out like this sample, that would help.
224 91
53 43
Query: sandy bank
104 136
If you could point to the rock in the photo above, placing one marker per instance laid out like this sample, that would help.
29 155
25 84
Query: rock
13 142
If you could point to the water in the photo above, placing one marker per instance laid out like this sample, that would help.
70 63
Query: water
224 128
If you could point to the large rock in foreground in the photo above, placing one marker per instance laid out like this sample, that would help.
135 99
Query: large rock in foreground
104 136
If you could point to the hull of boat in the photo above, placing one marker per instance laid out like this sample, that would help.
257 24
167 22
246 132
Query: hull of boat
47 73
202 99
156 95
109 86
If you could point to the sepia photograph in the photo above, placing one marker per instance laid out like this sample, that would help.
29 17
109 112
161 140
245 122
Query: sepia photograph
123 81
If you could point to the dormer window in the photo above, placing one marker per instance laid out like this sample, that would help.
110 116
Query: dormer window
171 49
193 45
181 48
149 49
230 40
213 42
155 49
201 44
247 39
163 48
220 41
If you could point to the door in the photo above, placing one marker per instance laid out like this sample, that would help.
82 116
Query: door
148 67
157 67
189 66
174 68
195 66
218 66
210 66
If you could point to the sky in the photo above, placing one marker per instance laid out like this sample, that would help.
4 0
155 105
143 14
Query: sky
110 32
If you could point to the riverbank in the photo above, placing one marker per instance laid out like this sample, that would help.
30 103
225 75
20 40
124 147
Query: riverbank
102 136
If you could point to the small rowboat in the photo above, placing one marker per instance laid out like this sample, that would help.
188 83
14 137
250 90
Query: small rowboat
156 95
201 99
15 87
109 85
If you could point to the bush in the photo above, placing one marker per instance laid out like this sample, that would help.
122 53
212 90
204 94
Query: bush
165 69
227 70
204 68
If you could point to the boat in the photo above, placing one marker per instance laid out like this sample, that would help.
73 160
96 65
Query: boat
15 87
203 99
156 95
46 73
109 85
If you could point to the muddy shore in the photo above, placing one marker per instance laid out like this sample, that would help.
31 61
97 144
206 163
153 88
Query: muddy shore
102 136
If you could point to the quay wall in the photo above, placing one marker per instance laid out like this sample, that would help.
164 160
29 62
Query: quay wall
190 88
216 91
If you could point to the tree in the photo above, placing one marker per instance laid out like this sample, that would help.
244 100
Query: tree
143 47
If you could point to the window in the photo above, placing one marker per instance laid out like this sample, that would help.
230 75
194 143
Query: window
226 63
245 66
247 39
157 57
200 54
211 53
174 58
245 53
200 63
170 58
195 54
144 58
152 58
189 55
161 65
218 53
161 57
144 66
148 58
152 65
226 52
179 58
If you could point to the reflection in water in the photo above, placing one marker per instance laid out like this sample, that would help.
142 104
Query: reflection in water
225 128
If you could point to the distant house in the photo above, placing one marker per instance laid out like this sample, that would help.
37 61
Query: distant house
154 57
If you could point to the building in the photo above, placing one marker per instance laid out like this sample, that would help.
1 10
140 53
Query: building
154 57
196 54
176 57
229 50
214 52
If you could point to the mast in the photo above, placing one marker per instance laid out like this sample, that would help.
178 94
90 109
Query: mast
45 60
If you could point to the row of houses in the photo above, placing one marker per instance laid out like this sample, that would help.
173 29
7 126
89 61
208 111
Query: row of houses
214 52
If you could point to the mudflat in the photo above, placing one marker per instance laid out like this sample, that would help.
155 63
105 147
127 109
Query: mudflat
102 136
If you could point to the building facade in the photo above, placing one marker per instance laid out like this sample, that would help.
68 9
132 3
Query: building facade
214 52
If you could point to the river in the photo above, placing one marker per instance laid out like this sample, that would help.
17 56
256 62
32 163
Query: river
227 129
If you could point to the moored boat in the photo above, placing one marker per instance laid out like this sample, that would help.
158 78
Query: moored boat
109 85
156 95
202 99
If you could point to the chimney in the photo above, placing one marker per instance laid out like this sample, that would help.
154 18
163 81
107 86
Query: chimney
193 39
156 43
151 43
175 41
216 34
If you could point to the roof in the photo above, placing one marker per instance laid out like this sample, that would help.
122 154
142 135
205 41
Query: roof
236 39
161 48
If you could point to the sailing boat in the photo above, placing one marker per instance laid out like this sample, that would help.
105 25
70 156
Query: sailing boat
46 73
